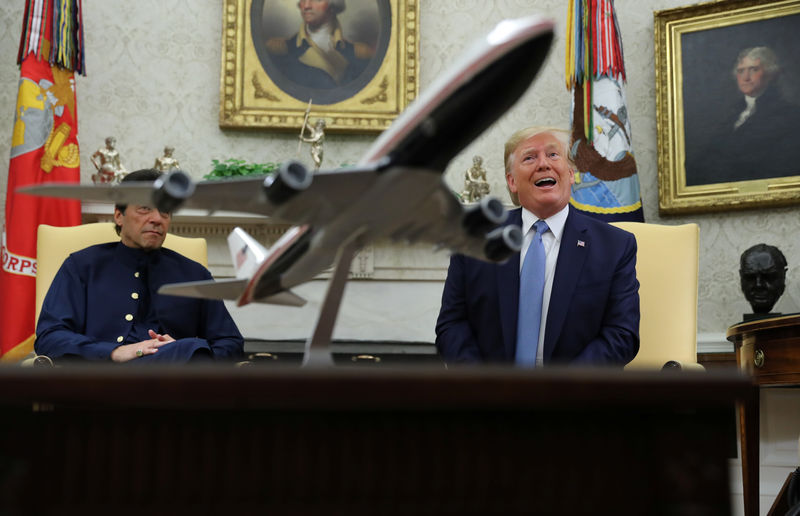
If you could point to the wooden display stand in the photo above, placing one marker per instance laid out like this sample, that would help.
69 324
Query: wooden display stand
768 350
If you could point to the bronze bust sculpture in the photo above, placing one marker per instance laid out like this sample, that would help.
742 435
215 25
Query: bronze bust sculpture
763 276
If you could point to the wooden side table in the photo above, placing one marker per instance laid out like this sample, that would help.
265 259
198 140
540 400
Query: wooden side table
769 351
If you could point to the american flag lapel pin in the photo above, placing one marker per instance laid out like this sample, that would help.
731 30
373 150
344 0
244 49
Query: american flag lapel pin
581 243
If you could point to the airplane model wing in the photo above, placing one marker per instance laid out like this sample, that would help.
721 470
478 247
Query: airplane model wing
396 191
226 289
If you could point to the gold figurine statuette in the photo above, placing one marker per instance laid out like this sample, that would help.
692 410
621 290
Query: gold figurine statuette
316 137
166 162
475 184
107 162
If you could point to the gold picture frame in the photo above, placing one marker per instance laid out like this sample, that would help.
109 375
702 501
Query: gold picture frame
706 160
263 86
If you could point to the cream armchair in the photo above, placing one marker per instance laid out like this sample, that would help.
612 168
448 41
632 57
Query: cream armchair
54 244
667 269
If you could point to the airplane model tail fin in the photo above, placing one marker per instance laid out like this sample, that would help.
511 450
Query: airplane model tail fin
246 253
250 260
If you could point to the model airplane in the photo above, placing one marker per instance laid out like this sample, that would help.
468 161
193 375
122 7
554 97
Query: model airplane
396 191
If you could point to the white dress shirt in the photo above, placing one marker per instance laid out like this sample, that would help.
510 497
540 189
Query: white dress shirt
749 109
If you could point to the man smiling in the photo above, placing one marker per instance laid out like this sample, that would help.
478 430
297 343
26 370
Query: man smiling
586 308
103 304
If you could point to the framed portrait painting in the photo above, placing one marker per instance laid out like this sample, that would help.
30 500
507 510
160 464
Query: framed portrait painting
728 105
353 62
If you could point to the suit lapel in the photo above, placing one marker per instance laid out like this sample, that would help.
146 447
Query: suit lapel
571 257
508 293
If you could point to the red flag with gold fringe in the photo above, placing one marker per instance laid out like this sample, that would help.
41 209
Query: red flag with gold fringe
44 148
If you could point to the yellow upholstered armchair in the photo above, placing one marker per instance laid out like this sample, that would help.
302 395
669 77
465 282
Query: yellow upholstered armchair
667 269
54 244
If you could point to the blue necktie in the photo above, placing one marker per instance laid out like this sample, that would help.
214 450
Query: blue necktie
531 288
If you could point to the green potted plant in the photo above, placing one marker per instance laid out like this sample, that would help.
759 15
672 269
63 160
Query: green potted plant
238 167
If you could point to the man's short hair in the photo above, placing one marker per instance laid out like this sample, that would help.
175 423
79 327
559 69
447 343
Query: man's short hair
764 54
518 137
145 174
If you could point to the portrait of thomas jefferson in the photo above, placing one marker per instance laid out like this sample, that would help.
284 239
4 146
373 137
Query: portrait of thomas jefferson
323 50
742 102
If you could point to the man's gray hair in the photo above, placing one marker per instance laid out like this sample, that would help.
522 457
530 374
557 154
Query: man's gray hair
764 54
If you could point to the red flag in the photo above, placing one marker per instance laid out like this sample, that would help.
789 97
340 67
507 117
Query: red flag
44 148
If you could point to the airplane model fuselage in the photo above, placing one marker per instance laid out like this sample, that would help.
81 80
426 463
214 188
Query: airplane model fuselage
396 191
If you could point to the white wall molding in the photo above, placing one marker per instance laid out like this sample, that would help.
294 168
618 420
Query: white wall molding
713 342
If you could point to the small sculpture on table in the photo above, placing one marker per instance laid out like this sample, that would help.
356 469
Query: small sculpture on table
316 137
475 184
166 162
107 162
763 276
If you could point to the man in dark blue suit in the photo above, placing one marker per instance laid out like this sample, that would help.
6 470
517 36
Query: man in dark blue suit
590 298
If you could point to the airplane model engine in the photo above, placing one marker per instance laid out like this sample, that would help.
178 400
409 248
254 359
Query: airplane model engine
171 190
484 216
502 243
292 178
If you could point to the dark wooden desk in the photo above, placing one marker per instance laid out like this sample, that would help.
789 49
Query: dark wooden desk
124 440
769 351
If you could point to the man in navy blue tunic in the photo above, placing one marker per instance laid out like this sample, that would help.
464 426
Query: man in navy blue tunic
103 304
